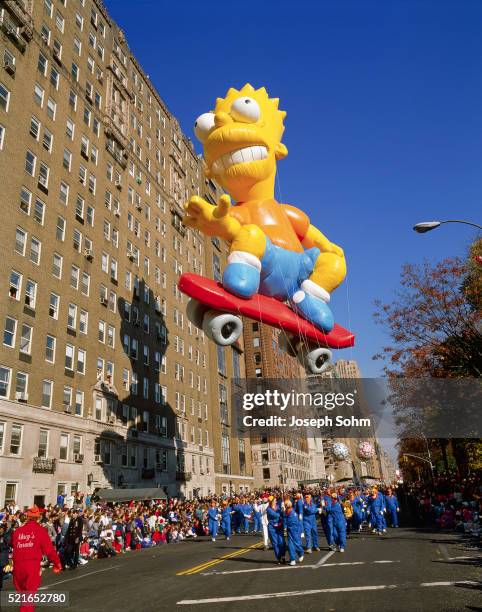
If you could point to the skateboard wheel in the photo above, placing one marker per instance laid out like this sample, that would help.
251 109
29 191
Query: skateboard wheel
316 361
287 344
222 328
195 312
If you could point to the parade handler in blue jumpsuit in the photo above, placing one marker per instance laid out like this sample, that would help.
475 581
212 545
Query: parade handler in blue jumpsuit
326 503
357 505
298 506
310 528
275 530
393 509
337 522
293 531
376 503
213 515
226 512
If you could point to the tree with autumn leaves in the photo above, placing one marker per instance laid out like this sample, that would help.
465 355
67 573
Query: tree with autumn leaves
435 326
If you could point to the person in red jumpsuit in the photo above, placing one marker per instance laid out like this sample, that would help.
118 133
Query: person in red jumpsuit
30 542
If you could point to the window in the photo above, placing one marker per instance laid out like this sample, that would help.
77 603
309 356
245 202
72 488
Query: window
16 439
20 241
54 77
30 161
74 277
34 127
59 22
38 95
5 375
90 216
67 396
54 306
57 265
101 332
47 390
73 99
67 160
81 358
85 284
42 64
9 332
43 443
79 408
43 175
70 129
64 193
47 141
69 357
15 285
50 343
25 200
30 293
26 339
48 7
64 446
72 316
51 108
39 211
35 247
83 321
60 229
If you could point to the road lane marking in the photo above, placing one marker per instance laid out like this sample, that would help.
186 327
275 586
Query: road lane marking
190 602
444 551
325 558
468 557
454 583
106 569
277 568
212 562
379 587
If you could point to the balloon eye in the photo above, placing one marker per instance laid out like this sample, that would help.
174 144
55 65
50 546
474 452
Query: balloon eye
246 109
203 125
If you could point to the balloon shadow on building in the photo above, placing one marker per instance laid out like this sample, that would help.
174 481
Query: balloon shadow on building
139 447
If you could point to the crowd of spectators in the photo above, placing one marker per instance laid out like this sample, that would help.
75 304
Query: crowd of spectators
447 502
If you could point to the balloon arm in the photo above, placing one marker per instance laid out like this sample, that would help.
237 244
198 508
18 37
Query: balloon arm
315 238
212 220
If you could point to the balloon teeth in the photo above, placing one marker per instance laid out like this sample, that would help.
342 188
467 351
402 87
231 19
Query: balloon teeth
240 156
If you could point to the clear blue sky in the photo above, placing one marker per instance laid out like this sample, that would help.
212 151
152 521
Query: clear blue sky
384 125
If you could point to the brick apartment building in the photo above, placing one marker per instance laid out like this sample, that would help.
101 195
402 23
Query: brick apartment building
103 381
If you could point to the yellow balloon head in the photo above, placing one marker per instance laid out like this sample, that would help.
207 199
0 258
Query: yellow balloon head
242 140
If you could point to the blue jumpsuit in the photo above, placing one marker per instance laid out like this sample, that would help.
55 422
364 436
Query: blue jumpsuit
213 521
226 521
336 519
324 521
237 518
392 505
357 519
309 524
275 532
376 505
293 530
257 521
247 510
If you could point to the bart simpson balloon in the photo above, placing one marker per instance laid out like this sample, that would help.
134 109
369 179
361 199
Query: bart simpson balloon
274 249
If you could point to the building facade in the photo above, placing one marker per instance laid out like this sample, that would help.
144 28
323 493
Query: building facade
103 380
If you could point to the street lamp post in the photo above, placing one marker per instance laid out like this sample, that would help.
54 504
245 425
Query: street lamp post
428 226
429 461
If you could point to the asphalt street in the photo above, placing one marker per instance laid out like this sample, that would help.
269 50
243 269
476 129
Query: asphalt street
406 569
